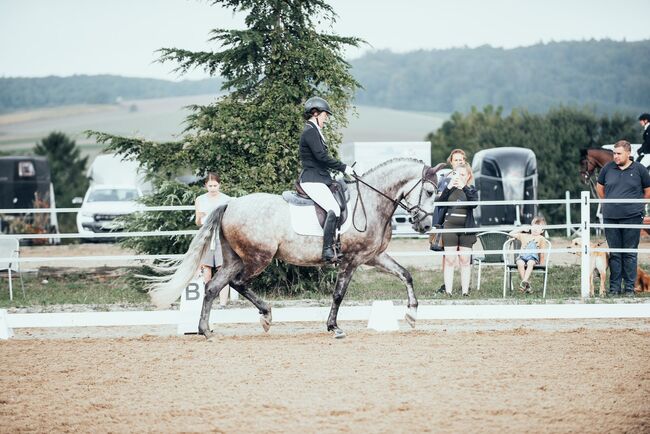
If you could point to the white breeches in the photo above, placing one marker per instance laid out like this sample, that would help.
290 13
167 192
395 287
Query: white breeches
322 195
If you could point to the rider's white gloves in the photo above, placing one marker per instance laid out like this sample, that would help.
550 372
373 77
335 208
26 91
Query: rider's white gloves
349 170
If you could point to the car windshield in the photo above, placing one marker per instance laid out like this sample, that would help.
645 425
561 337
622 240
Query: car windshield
113 195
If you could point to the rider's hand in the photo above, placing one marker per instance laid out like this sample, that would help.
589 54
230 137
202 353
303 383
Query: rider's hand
349 171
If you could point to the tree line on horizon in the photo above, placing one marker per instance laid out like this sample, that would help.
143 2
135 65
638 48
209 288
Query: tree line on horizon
21 93
608 76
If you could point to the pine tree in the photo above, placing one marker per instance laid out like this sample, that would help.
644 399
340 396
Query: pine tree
250 136
67 169
269 69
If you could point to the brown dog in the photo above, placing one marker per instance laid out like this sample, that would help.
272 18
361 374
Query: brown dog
642 283
598 261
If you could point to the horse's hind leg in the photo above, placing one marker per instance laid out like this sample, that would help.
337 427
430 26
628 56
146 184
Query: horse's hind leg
342 281
386 263
212 290
261 305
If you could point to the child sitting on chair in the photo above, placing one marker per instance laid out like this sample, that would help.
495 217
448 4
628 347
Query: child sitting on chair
532 243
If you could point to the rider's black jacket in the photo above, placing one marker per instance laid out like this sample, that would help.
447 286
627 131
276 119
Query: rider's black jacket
645 147
315 157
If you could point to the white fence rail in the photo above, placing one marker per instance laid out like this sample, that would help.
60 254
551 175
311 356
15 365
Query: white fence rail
362 313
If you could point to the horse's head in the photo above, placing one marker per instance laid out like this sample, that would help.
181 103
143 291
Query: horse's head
420 196
586 170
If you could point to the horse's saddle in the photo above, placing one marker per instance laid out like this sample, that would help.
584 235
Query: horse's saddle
339 190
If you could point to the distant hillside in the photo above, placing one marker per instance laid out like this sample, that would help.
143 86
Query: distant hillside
27 93
612 76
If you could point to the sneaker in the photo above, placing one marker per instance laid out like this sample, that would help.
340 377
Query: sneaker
611 293
629 294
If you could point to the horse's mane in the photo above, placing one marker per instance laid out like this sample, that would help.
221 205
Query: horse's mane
391 161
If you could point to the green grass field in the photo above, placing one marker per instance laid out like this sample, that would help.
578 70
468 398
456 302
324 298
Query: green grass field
163 120
367 285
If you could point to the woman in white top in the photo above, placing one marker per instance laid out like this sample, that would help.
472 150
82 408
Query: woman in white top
204 205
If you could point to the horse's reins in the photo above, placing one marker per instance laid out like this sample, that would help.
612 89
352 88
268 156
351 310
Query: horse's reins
396 202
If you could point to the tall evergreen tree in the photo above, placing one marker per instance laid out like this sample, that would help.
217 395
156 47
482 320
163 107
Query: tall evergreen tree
250 136
67 172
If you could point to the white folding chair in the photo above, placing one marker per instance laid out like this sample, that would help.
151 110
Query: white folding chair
490 240
9 253
510 266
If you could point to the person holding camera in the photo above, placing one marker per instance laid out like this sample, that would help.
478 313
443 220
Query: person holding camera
456 157
458 217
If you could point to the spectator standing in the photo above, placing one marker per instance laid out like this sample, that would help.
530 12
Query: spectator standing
204 205
456 157
456 217
623 179
532 244
644 150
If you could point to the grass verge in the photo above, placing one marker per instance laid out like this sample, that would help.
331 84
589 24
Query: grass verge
115 287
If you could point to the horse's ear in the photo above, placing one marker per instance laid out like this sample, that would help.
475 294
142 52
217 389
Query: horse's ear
583 152
431 171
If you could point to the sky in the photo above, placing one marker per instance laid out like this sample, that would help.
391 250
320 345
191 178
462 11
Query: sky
66 37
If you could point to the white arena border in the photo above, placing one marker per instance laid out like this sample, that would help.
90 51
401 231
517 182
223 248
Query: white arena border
9 321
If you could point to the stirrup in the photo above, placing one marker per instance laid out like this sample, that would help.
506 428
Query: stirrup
335 259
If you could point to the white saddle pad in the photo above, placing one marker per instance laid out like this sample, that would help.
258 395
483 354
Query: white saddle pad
305 222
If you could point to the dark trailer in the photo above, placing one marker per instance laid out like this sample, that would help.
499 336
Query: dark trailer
505 174
25 183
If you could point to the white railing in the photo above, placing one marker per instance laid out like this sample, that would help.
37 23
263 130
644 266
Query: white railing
584 228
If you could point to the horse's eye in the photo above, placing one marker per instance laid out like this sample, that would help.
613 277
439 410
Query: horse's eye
429 193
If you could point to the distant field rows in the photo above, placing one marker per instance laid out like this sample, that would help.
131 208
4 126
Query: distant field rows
162 120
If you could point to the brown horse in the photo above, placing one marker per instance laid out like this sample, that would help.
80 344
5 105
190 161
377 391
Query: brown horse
591 160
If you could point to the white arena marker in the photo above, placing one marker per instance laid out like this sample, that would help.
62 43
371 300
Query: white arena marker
5 331
190 309
382 317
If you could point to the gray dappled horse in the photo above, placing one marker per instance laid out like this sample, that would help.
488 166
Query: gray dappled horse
248 247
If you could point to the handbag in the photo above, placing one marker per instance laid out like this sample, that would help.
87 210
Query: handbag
436 241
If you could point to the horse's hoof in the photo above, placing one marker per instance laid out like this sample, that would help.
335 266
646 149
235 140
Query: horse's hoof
411 316
338 333
265 320
209 335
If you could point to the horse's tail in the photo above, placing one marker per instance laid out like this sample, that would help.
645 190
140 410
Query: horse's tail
166 289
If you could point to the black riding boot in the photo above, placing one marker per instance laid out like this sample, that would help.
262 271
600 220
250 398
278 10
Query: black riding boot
329 228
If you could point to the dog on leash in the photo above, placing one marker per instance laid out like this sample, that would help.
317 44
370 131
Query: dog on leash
598 261
642 283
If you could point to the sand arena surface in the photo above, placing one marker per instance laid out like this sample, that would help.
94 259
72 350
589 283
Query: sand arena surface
458 380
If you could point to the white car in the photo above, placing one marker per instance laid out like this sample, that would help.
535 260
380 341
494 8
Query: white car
102 204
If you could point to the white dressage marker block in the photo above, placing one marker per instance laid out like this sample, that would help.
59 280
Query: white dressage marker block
190 309
5 331
382 317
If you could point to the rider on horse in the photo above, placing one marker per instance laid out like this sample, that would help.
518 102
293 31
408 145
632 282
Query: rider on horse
315 177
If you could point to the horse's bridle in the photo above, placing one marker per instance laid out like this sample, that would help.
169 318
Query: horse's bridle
401 201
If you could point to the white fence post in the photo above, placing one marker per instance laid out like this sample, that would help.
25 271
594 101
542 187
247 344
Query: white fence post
567 196
585 229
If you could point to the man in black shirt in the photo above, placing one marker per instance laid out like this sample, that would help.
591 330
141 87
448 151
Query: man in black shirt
623 179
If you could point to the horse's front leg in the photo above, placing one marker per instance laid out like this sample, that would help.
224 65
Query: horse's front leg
385 263
342 281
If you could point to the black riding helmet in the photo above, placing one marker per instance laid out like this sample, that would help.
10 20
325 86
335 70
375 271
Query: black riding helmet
643 117
317 103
